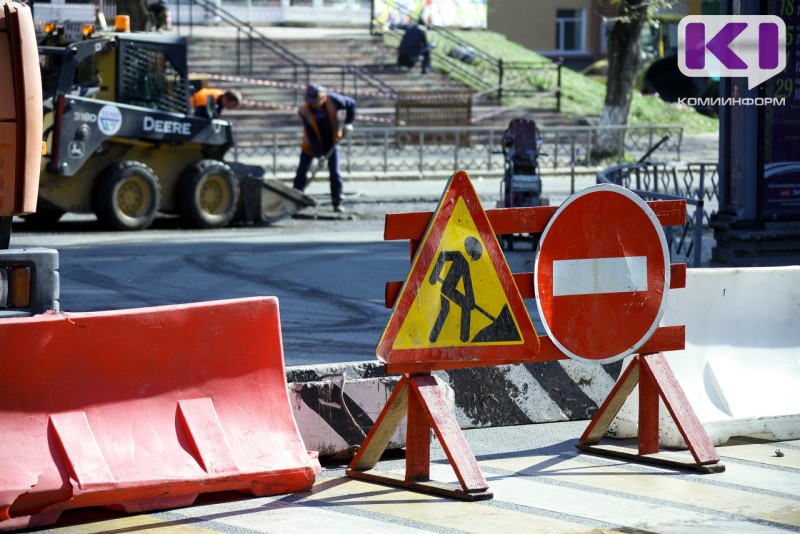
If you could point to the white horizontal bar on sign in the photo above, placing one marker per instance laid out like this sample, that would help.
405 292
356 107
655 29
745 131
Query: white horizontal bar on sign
599 275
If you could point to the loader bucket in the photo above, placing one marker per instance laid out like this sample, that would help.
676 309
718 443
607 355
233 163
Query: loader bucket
144 409
269 200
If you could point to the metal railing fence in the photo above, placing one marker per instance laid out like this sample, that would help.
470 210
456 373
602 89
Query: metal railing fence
697 183
408 149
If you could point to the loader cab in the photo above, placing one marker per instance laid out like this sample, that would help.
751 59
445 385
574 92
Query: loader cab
143 70
152 72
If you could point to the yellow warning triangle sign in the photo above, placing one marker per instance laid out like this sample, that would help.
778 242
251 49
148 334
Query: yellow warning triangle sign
459 306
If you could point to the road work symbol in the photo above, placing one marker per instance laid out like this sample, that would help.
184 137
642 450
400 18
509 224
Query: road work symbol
457 288
460 301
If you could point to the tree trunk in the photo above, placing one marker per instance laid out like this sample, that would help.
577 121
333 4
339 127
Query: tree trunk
624 60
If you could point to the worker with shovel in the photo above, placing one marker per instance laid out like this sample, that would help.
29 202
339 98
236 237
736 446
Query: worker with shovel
321 136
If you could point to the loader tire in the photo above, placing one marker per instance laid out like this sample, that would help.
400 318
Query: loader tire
43 218
126 196
207 194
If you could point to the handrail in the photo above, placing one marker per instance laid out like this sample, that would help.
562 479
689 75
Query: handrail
298 63
231 19
496 66
301 72
449 35
371 80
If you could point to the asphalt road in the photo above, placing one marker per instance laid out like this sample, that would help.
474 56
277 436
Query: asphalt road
329 277
328 270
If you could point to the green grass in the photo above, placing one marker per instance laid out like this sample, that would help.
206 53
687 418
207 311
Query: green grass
582 97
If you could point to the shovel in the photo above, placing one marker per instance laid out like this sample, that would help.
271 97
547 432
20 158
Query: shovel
320 162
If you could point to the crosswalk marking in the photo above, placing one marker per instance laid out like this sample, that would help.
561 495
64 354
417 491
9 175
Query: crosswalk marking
571 493
127 523
677 490
433 510
602 507
287 514
757 478
763 453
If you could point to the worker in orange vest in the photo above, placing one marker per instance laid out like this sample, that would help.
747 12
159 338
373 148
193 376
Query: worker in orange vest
222 100
321 134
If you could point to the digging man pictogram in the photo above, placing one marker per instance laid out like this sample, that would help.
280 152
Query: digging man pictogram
502 327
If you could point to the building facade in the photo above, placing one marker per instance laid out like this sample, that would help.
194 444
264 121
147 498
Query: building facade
577 29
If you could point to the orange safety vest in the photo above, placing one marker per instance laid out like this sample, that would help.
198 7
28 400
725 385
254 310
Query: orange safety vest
305 111
200 98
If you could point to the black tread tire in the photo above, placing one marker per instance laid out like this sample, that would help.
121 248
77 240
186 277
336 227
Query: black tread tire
42 218
126 196
207 194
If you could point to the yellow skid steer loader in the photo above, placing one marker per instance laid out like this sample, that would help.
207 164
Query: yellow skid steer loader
123 143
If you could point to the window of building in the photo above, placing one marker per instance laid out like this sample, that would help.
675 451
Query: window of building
570 30
347 3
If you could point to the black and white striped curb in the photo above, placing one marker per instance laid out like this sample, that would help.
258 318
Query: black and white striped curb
335 406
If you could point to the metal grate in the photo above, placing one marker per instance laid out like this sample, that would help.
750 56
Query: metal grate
437 110
149 80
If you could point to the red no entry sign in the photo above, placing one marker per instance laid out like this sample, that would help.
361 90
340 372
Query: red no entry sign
602 274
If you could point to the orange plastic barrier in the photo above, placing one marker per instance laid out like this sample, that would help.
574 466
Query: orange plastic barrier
144 409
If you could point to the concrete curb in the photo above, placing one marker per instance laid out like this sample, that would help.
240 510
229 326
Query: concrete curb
416 176
336 405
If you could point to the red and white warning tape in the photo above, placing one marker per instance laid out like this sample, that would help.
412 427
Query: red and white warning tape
286 85
267 105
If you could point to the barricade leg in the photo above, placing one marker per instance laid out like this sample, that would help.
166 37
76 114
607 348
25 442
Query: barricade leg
418 440
422 399
656 382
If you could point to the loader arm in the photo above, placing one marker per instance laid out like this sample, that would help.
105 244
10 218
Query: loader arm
60 68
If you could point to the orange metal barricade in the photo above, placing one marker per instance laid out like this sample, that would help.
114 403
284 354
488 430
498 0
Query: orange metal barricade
419 397
144 409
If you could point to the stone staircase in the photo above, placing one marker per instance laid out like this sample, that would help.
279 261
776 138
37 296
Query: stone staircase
358 65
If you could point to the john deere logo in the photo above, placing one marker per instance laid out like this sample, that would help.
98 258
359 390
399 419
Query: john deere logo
109 120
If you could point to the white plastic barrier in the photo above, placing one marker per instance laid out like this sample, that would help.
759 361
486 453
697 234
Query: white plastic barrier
741 366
